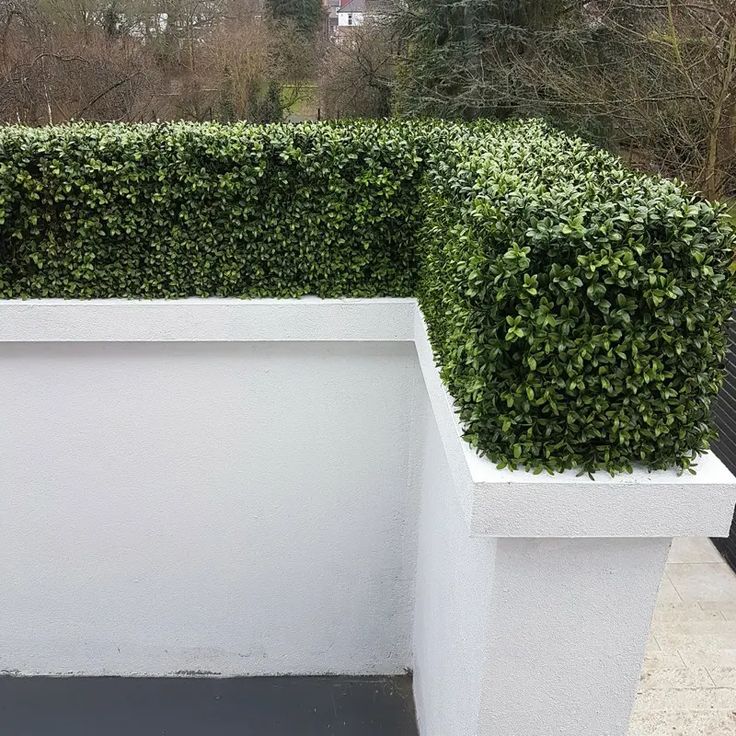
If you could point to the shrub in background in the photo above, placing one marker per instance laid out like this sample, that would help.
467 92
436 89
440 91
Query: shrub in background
576 309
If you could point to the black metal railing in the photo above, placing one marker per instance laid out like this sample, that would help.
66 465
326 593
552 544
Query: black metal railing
725 447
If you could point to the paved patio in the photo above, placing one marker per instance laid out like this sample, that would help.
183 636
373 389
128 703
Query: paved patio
688 684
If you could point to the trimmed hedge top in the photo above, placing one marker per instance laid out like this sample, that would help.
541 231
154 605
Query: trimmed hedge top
576 309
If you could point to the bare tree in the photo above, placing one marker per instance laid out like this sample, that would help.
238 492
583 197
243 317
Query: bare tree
655 77
127 60
356 74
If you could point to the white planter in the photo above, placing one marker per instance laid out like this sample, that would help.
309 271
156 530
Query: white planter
270 487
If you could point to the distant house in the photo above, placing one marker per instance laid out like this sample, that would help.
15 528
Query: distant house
351 13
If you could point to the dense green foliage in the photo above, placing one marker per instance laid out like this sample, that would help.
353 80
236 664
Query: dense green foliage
186 209
576 309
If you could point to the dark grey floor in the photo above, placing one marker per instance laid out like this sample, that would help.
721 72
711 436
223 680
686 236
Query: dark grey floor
254 706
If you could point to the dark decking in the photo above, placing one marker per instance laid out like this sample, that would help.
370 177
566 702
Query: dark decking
256 706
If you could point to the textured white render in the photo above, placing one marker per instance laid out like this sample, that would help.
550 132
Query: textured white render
232 508
263 487
567 628
453 594
522 637
207 320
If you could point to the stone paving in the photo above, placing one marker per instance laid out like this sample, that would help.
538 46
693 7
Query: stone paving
688 683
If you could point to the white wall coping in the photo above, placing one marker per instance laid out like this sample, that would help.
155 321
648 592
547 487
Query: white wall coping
496 503
207 320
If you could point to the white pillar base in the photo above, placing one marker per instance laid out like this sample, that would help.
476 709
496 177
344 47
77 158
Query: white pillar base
568 626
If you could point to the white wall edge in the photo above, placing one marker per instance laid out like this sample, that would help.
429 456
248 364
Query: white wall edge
448 425
496 503
207 320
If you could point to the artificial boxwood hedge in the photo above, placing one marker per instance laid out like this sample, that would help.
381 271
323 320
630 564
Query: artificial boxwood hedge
576 309
145 211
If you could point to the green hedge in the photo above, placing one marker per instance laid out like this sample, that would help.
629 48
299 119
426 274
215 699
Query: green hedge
576 309
179 210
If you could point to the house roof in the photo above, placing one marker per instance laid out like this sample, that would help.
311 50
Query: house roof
354 6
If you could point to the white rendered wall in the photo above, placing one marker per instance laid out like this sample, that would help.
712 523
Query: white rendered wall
235 487
454 575
231 508
522 636
568 625
344 22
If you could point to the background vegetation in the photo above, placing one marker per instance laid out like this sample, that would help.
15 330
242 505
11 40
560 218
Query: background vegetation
147 60
654 80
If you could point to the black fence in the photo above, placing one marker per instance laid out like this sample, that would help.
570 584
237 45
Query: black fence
725 447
